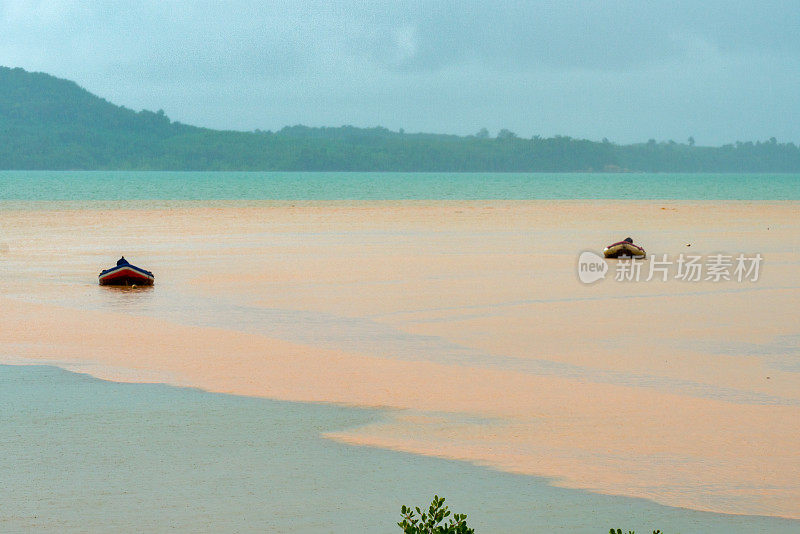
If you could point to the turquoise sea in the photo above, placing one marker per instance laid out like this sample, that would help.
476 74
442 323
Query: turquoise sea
78 454
119 185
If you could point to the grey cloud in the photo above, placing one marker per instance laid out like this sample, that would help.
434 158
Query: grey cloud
627 70
594 34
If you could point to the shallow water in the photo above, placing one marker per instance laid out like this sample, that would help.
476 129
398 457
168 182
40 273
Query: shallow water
508 359
79 454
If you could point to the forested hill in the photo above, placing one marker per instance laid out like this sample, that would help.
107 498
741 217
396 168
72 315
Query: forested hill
50 123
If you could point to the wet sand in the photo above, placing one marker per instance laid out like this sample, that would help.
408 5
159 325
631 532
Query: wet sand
465 320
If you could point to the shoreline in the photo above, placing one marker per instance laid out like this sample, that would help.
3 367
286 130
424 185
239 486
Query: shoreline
140 204
239 433
350 436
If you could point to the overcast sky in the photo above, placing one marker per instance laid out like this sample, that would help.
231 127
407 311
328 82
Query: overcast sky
720 71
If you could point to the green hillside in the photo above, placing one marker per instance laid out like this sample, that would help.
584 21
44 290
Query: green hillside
50 123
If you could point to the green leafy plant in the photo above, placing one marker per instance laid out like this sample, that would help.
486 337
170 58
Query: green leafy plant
619 531
415 521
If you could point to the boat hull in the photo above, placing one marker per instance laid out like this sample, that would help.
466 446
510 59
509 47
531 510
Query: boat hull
126 275
624 249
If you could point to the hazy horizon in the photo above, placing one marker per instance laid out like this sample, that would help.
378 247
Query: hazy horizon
627 72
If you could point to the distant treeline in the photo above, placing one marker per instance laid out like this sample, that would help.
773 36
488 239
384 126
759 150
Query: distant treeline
50 123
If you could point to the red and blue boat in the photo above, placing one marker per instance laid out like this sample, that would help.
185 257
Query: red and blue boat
125 274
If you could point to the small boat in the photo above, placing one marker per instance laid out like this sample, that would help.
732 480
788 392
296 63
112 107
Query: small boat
624 249
125 274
